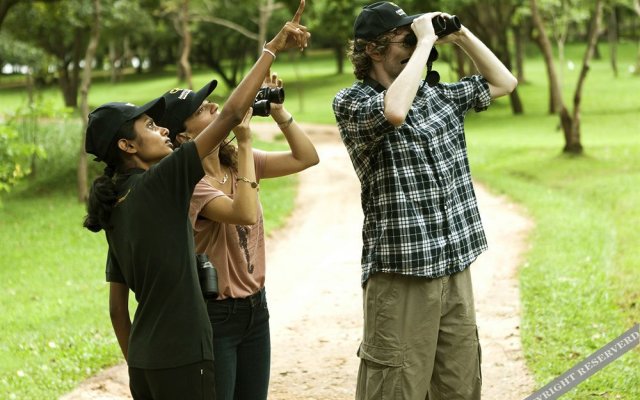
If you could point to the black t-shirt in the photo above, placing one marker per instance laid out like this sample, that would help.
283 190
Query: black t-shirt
151 250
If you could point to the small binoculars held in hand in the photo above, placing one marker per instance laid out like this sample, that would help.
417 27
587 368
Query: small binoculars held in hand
264 98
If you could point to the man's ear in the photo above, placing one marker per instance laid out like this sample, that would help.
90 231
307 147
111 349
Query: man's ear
126 146
371 51
183 138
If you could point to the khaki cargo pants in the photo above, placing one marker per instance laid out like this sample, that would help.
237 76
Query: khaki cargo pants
420 339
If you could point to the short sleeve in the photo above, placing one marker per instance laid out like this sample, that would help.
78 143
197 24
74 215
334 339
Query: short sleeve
113 272
203 193
177 174
360 116
471 92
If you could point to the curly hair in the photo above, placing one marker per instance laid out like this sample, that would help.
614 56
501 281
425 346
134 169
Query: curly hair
228 155
357 53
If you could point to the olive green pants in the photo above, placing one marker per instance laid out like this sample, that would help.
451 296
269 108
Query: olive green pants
420 339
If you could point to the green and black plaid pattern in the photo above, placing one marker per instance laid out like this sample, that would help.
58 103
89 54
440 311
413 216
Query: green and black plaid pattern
420 209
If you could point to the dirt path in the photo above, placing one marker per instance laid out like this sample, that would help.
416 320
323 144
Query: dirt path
315 297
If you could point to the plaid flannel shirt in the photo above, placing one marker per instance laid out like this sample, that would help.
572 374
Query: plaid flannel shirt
421 216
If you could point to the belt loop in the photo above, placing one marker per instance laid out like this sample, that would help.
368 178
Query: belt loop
234 305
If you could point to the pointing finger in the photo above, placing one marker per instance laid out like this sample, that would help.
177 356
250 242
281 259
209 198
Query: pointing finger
296 17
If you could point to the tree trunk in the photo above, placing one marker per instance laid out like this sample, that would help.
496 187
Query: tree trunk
185 66
574 145
636 7
555 91
5 5
264 15
84 100
113 60
520 45
613 40
516 104
69 89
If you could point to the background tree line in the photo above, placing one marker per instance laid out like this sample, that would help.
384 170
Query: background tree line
52 42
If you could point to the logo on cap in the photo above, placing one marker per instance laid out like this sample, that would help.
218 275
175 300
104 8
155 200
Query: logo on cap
183 95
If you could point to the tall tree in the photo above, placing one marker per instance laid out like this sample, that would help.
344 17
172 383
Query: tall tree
179 13
491 21
265 11
5 5
571 122
334 27
636 7
185 46
60 29
542 39
89 57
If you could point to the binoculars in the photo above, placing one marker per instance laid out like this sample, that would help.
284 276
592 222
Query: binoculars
441 25
444 26
208 277
264 98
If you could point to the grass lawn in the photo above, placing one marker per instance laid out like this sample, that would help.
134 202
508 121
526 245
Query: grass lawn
580 285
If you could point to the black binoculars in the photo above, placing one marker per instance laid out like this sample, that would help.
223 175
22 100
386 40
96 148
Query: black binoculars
264 98
444 26
208 277
441 25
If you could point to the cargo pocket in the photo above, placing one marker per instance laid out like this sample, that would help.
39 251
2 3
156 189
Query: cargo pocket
380 375
479 356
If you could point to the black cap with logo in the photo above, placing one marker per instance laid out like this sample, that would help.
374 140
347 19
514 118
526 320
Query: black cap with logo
378 18
105 121
181 103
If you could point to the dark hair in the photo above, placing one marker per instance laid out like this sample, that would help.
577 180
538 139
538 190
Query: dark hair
103 196
361 61
228 155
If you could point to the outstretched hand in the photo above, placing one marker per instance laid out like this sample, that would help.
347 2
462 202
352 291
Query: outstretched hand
292 33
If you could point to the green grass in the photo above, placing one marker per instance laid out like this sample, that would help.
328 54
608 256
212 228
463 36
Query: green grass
580 285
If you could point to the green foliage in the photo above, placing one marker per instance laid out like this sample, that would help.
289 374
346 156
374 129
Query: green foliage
14 157
579 284
14 51
19 146
333 22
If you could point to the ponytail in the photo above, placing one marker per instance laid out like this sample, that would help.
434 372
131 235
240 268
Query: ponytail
103 195
102 199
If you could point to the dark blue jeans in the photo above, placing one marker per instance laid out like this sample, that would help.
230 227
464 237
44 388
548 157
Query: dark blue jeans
241 347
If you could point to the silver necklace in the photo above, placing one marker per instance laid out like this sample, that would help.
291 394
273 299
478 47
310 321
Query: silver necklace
223 181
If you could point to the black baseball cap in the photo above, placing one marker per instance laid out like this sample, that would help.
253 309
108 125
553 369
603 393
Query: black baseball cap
378 18
180 104
105 121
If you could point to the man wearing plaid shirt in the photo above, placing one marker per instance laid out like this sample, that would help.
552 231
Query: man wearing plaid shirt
422 227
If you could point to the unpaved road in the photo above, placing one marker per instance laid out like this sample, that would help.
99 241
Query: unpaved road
314 294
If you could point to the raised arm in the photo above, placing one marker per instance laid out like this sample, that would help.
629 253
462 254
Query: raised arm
243 208
302 154
501 80
291 35
401 93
